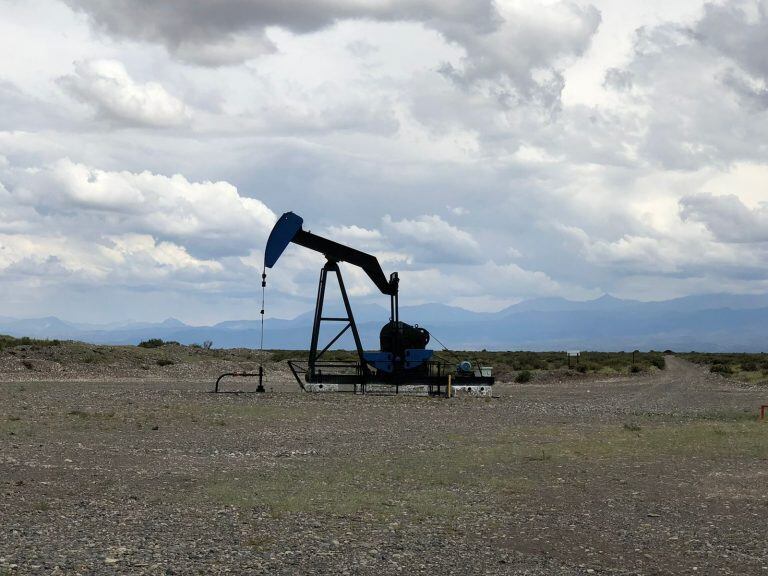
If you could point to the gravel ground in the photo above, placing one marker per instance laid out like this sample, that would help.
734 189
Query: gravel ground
658 474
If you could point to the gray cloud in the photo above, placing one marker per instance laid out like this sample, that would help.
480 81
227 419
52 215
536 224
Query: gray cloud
234 30
448 117
517 44
739 30
727 217
702 85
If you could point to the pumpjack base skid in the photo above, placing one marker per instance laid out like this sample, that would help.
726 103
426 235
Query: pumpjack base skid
349 377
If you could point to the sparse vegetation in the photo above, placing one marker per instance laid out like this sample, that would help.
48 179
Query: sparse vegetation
346 478
523 376
507 365
752 368
13 342
151 343
724 369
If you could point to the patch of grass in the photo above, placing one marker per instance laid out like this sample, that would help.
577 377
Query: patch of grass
543 457
474 471
261 544
697 438
726 415
41 506
434 483
85 415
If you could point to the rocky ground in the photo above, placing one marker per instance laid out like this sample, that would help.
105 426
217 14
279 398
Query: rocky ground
142 471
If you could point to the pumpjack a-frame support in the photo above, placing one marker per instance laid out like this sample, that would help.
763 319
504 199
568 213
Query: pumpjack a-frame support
331 266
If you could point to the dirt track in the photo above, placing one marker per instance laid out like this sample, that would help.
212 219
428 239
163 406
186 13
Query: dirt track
660 474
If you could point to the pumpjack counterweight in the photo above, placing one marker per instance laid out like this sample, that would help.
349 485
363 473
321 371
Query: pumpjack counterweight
403 359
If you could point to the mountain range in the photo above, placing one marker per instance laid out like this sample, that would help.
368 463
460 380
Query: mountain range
713 322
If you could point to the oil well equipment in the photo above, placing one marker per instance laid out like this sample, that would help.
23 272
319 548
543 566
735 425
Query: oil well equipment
402 364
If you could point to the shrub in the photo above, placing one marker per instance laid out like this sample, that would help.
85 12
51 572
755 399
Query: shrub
151 343
659 362
11 342
750 366
524 376
581 368
634 369
723 369
165 362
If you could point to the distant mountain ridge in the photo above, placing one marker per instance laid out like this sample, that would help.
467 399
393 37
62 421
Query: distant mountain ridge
713 322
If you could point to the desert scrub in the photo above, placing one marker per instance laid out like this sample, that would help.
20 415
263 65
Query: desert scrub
524 376
724 369
12 342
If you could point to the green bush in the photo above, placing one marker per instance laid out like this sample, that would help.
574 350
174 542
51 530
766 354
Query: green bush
151 343
659 362
524 376
635 369
724 369
165 362
12 342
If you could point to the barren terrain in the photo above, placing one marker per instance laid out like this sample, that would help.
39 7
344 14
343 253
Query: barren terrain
142 471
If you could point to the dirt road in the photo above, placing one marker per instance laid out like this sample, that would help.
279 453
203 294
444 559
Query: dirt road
658 474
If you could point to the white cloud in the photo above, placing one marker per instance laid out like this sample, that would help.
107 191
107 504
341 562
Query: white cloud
521 41
207 217
647 178
727 217
434 240
106 86
128 259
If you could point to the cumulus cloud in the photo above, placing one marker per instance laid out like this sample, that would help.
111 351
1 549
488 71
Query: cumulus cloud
108 88
524 47
208 218
727 217
356 236
699 89
447 116
739 30
124 260
521 42
189 29
433 240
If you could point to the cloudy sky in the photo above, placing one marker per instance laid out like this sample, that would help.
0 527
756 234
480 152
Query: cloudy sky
488 151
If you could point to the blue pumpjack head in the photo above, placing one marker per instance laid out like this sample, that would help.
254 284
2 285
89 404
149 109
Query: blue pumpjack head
284 231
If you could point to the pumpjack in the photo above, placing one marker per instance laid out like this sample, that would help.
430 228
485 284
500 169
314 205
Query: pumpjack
403 358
